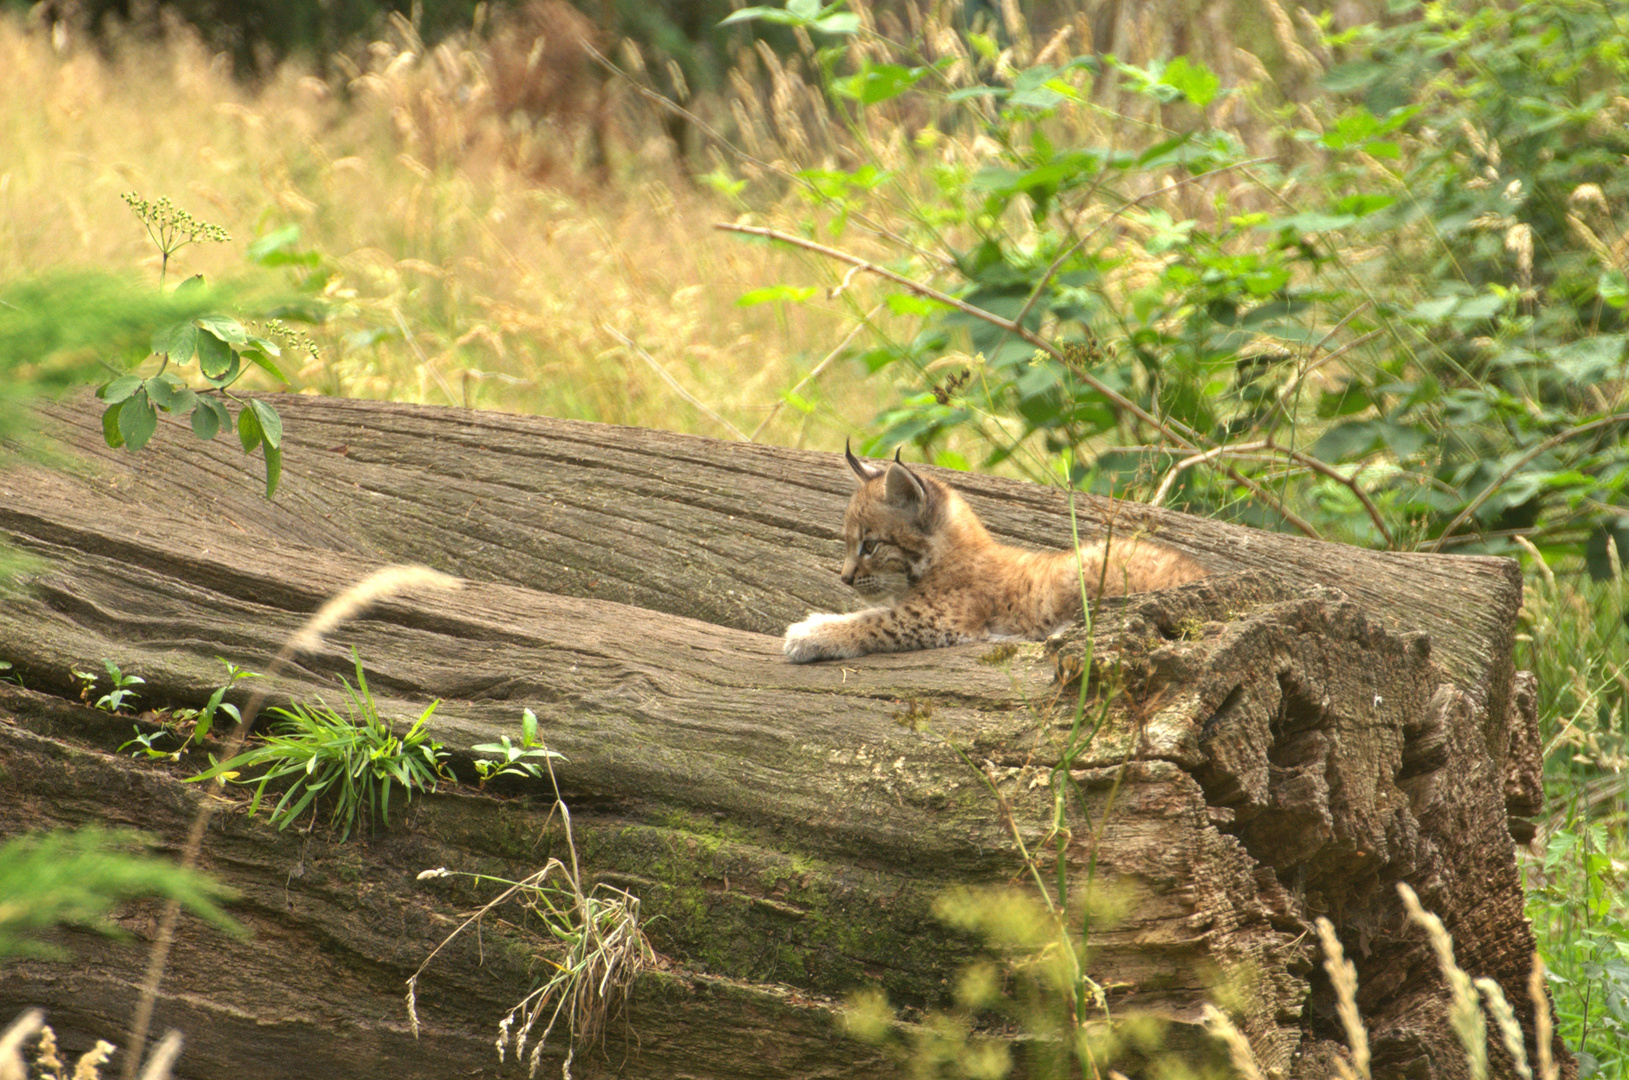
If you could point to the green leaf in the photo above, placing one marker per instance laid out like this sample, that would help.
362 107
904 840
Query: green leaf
225 328
270 348
1613 288
843 22
1346 440
274 469
119 389
1311 221
170 394
110 426
214 356
911 304
878 82
209 417
277 248
137 420
805 13
264 362
1364 204
1359 75
179 342
1480 307
776 292
249 433
205 424
1196 81
271 425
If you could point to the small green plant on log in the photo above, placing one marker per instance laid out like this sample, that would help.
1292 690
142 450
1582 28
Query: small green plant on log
222 346
116 698
196 724
591 947
514 760
355 757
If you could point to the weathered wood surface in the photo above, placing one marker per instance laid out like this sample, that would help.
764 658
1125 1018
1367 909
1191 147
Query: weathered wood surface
1297 753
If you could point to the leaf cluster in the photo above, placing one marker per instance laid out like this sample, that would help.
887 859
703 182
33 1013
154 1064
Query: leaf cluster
115 699
221 346
196 723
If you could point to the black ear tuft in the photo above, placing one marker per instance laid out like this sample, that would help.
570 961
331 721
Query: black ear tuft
861 469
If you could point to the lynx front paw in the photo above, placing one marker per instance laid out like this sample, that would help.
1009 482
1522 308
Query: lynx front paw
817 638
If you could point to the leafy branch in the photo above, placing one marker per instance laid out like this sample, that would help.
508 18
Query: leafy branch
223 348
1176 432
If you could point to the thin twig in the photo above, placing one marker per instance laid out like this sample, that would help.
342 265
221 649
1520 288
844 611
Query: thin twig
818 368
1305 460
1516 466
674 383
1187 463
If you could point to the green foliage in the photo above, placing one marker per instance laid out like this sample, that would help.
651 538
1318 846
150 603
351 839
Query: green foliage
1572 637
222 346
1576 899
515 760
354 759
1408 332
75 877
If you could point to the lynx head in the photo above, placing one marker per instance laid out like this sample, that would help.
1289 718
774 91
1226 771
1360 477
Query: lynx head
891 527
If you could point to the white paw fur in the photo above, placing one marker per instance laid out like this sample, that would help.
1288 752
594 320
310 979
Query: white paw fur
808 640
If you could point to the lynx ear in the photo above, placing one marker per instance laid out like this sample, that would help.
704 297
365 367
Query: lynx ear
905 489
861 469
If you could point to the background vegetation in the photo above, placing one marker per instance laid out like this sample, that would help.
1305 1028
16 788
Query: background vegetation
1362 279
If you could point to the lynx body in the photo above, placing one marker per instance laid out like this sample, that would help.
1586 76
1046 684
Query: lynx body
916 546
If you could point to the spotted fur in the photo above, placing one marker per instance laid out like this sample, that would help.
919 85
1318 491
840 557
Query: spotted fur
915 547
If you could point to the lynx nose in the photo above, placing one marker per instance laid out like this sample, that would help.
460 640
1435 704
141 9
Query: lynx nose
850 568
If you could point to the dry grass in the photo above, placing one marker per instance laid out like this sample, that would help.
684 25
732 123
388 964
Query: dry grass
456 276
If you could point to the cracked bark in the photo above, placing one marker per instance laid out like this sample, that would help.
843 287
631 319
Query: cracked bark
1288 738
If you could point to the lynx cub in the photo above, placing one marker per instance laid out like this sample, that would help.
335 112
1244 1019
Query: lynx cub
913 541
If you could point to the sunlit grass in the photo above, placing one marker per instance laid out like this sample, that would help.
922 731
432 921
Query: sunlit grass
450 275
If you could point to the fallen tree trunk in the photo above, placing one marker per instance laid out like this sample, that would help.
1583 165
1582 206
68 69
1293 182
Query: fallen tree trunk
1288 738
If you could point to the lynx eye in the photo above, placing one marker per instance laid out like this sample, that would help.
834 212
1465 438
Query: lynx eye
868 548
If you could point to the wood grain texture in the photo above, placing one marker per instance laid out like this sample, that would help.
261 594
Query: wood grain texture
1283 742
